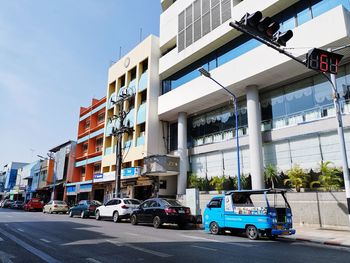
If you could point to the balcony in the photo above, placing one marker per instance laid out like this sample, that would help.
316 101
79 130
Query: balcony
143 81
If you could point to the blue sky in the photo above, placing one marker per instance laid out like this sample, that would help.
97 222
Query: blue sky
54 57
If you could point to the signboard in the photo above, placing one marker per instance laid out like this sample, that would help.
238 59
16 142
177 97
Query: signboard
161 165
131 172
228 203
104 177
324 61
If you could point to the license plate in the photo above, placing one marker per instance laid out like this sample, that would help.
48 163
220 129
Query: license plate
280 227
181 211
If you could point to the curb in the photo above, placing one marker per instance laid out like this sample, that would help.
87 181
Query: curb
317 241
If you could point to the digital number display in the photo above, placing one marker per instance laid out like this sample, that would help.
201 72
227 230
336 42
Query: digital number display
323 61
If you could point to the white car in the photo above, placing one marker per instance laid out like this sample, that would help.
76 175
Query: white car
117 208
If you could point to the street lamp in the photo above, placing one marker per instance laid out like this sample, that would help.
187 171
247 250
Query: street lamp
205 73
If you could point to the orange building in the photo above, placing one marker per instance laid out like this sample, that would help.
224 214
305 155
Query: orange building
88 153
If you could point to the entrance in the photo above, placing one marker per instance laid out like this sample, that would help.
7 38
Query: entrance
142 192
99 194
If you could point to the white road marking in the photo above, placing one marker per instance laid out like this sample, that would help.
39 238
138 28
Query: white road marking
45 240
219 241
31 249
93 260
133 234
145 250
1 239
20 229
206 248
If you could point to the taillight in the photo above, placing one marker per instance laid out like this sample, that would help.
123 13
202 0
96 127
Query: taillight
188 211
55 206
170 211
124 207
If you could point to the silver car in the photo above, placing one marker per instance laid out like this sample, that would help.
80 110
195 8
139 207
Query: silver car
55 206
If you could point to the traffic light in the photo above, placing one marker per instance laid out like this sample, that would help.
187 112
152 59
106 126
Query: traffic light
322 60
262 27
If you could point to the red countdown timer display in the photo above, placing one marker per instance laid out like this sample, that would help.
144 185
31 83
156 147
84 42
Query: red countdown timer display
322 60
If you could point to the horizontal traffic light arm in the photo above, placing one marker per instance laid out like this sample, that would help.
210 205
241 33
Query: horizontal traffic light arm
238 26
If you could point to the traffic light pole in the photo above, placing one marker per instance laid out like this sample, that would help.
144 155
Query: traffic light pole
332 80
341 137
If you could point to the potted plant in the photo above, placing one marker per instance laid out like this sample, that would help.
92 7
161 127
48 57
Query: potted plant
271 175
328 178
297 177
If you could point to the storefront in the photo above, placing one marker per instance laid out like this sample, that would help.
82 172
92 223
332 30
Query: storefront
78 191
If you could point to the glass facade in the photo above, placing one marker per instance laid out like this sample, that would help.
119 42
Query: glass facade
290 18
299 102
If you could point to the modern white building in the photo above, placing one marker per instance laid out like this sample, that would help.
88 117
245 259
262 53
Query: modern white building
286 114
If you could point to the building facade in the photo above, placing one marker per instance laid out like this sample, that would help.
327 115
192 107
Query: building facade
135 74
286 114
88 153
8 178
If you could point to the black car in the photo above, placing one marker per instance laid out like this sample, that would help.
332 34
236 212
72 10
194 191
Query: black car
159 210
85 208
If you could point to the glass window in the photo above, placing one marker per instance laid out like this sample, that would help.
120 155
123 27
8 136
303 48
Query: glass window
101 117
215 203
171 202
146 204
132 202
323 91
298 98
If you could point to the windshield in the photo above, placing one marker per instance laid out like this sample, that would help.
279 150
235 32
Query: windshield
60 202
96 203
132 202
171 202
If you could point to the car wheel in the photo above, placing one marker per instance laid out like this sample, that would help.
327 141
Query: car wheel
157 222
44 211
252 232
181 225
116 217
214 228
82 214
50 211
70 213
133 220
97 215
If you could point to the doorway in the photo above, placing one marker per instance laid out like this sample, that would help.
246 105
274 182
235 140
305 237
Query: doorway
142 192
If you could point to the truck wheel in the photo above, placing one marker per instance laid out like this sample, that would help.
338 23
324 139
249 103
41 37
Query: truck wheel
252 232
214 228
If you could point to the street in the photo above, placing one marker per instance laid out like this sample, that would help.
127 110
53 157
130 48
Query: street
37 237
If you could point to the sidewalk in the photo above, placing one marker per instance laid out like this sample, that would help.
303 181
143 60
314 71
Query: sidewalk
327 236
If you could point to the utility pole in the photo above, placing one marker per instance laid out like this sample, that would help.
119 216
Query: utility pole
124 95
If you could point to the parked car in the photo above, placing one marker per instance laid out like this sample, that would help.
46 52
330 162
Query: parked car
158 211
34 204
85 208
55 206
17 205
117 209
255 212
7 203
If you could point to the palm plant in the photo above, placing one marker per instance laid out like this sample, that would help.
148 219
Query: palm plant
297 177
328 178
271 175
218 182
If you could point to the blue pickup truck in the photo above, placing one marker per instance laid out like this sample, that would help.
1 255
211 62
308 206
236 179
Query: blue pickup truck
255 212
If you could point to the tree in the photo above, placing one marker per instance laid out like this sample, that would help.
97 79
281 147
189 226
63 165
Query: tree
297 177
271 175
328 178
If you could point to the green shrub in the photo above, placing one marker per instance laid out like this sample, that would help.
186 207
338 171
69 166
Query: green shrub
297 177
329 177
218 182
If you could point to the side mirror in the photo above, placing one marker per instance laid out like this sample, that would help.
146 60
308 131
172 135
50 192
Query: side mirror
208 205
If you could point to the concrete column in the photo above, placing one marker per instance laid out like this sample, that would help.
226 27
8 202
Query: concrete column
182 152
255 140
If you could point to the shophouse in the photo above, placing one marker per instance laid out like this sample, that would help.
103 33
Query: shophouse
88 153
43 174
9 176
285 116
135 74
27 179
64 160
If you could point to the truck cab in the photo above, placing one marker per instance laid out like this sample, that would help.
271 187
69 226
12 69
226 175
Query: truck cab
255 212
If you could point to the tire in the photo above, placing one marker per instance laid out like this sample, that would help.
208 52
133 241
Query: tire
181 225
116 218
133 220
157 223
214 228
97 215
252 232
50 211
82 214
70 213
273 237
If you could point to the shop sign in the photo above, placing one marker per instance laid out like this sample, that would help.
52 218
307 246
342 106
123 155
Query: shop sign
104 177
84 188
161 165
131 172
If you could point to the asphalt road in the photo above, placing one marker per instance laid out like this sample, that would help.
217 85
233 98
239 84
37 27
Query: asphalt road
36 237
